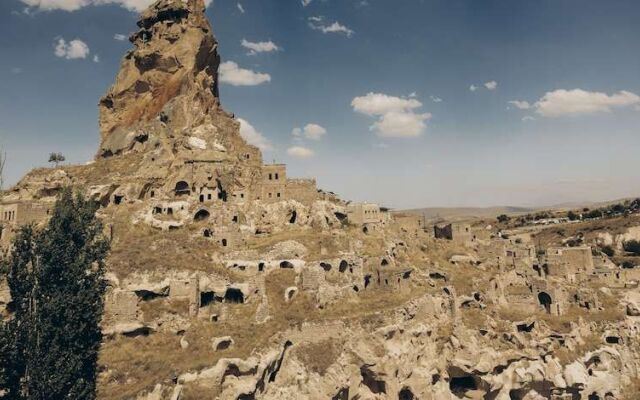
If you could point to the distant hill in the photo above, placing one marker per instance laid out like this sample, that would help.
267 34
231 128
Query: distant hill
453 213
468 212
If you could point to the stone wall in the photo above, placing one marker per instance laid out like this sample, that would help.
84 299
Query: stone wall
409 223
121 306
22 213
186 289
563 261
458 232
304 191
364 213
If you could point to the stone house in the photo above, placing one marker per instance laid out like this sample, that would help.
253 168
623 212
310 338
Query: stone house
24 212
565 261
455 231
365 213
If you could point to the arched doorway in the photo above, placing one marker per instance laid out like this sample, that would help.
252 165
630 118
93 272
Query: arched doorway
201 215
182 188
545 300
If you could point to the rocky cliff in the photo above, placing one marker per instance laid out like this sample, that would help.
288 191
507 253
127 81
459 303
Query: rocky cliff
167 84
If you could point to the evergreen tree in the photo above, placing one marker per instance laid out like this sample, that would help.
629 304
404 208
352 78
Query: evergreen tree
57 286
15 333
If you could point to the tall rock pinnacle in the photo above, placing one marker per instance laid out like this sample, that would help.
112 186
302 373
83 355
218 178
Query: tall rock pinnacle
167 84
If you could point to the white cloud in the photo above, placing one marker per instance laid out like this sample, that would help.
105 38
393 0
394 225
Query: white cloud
16 70
305 2
401 124
48 5
73 5
522 105
120 37
378 104
75 49
300 152
253 136
397 116
491 85
259 47
240 8
435 99
319 24
380 145
232 74
96 58
310 131
577 101
528 118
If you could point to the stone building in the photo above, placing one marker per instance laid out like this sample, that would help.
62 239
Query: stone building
275 186
302 190
455 231
15 214
565 261
274 182
120 306
186 289
24 212
410 222
364 213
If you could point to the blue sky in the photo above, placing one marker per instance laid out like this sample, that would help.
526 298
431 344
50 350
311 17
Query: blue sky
384 86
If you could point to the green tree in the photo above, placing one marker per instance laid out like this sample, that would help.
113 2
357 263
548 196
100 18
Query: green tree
502 218
56 158
56 278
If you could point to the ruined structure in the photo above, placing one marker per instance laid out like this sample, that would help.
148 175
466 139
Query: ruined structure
455 231
230 280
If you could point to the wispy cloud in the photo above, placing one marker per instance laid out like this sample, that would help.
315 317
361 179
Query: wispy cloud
259 47
490 85
253 136
300 152
562 102
522 105
320 24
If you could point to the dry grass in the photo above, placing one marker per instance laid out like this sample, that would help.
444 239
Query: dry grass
591 343
474 318
318 357
630 391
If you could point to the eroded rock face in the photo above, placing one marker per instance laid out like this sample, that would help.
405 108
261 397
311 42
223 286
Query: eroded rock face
168 82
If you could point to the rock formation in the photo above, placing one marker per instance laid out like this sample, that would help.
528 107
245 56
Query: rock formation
167 85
